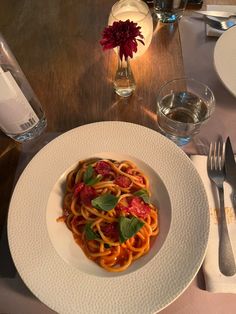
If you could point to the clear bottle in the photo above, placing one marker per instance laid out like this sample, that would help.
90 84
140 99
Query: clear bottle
21 114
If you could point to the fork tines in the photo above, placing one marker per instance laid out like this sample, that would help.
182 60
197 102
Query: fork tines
216 156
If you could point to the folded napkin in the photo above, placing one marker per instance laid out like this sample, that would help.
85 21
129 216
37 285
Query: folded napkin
214 279
210 31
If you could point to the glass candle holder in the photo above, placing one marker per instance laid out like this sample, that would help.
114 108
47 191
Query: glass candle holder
138 12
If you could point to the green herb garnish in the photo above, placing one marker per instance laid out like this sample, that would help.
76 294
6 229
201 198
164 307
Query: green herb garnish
144 195
89 177
94 180
128 227
89 233
88 174
105 202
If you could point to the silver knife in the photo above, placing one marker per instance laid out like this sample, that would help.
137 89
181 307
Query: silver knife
230 168
223 14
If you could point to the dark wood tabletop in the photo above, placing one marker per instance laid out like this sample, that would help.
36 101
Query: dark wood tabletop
56 44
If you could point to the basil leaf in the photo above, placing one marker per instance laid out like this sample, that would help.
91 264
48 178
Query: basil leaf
128 227
144 195
94 180
88 174
105 202
89 233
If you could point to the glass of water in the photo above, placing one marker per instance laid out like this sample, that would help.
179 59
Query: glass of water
183 105
169 11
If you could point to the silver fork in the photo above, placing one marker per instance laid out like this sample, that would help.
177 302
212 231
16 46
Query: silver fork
222 25
216 172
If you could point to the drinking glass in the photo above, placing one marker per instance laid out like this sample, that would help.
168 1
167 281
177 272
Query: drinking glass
183 106
138 12
169 11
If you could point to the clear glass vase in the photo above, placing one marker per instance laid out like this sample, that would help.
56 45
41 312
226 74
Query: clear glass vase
124 83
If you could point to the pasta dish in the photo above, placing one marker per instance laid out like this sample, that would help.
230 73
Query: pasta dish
107 207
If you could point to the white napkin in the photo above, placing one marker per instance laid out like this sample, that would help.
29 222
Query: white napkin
210 31
214 279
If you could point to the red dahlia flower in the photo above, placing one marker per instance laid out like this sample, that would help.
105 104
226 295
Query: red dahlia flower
122 34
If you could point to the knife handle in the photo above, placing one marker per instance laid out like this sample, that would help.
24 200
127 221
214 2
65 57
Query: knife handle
226 256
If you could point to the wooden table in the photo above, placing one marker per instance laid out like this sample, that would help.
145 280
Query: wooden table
57 46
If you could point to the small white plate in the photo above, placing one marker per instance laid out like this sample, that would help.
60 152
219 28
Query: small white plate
55 269
225 59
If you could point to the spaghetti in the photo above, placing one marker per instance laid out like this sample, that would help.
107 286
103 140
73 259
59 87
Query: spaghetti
107 208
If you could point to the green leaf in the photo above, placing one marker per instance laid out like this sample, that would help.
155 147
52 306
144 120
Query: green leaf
129 227
144 195
89 177
94 180
105 202
88 174
89 233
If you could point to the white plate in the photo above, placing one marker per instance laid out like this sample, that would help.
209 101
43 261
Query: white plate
225 59
53 272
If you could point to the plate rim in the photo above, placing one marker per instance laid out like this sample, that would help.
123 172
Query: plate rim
56 143
216 57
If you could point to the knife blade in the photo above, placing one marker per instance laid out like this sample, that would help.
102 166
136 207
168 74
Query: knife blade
230 165
223 14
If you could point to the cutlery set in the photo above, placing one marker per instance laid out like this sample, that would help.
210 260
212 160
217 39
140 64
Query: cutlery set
220 20
221 14
220 25
221 167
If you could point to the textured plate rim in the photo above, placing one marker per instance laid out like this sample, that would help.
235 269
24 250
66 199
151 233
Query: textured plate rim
45 265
